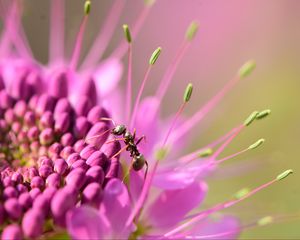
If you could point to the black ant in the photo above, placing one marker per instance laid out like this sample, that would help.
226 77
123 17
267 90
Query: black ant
138 159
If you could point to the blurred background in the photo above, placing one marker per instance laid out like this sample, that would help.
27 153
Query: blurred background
230 33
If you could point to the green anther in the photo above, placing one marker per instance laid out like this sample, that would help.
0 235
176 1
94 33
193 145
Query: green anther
205 153
127 33
263 114
264 221
188 92
242 193
87 7
155 56
284 174
191 31
247 69
257 144
161 153
251 118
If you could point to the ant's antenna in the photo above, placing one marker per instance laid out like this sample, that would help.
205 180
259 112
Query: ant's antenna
108 119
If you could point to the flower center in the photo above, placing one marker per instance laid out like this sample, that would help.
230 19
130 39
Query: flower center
48 153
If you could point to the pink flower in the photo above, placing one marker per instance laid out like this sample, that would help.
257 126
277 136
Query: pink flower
62 141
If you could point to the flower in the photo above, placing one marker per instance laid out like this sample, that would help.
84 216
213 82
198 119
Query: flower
61 148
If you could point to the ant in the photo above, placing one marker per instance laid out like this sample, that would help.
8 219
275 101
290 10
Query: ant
138 159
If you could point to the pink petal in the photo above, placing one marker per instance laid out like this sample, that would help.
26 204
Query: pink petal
181 177
147 124
86 223
225 227
116 207
107 76
136 184
171 206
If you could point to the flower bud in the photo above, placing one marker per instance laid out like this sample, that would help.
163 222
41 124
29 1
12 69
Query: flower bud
60 166
12 232
76 178
95 174
32 223
13 208
86 152
96 113
92 194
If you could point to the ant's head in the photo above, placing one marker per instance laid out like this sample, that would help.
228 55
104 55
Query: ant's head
119 130
138 162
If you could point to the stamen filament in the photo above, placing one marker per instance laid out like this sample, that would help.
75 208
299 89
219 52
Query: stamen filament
226 143
188 125
173 123
191 156
167 78
78 44
138 98
129 83
79 38
104 36
121 49
216 208
155 55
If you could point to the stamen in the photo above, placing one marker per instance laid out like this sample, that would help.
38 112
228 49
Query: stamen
205 153
186 98
257 144
79 38
284 174
218 207
195 155
251 147
56 46
265 221
167 78
259 223
129 72
226 143
251 118
104 36
263 114
121 49
247 69
191 31
148 181
152 61
187 126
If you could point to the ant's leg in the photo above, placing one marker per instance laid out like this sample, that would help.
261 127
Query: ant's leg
115 139
134 132
146 171
120 151
140 139
98 135
108 119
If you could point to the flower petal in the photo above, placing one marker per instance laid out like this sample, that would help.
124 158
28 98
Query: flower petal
147 123
171 206
86 223
116 207
179 178
107 76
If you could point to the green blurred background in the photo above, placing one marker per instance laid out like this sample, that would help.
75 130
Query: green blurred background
230 33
